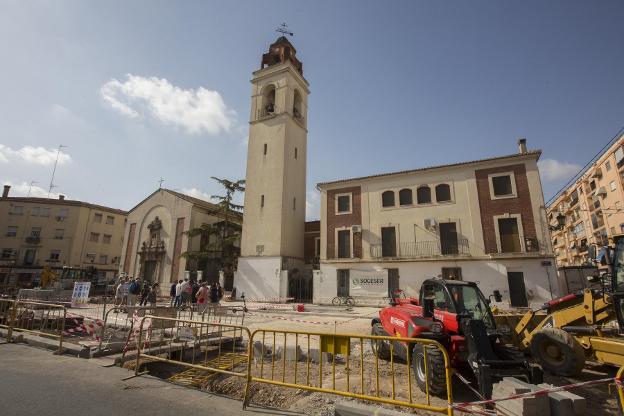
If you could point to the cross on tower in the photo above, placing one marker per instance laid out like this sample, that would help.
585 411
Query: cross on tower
283 29
160 182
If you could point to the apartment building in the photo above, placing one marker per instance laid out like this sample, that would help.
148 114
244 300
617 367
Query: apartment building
479 221
590 210
38 232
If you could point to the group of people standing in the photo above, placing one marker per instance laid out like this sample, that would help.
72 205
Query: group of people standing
187 293
128 291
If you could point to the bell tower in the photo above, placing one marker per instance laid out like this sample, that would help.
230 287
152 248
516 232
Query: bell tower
275 195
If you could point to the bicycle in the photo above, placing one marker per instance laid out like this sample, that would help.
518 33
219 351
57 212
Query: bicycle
343 300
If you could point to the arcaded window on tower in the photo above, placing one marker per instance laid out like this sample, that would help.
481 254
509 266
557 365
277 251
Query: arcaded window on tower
297 109
268 101
387 199
423 195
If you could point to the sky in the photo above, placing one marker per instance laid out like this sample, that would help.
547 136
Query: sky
139 90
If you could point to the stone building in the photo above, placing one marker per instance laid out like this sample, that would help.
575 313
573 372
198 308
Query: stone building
591 209
38 232
155 238
481 221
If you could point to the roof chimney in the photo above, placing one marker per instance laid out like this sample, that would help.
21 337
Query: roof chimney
522 145
5 192
61 197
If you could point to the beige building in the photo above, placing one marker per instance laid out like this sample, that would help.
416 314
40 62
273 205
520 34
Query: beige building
272 244
38 232
591 209
479 221
155 238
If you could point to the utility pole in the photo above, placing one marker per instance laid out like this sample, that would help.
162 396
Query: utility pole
58 152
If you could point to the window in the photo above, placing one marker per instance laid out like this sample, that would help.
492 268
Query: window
110 220
90 257
592 185
103 259
29 257
94 237
388 242
59 233
55 255
297 105
34 211
97 218
7 253
443 192
393 281
613 186
344 244
11 231
502 186
423 195
343 204
295 153
342 285
35 232
608 166
509 235
405 197
44 212
16 210
63 213
440 297
294 204
387 199
619 155
261 201
449 243
106 238
265 149
317 246
451 273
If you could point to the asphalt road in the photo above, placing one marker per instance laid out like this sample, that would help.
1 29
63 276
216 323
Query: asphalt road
36 382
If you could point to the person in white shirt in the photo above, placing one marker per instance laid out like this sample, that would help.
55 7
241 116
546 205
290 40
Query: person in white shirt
178 295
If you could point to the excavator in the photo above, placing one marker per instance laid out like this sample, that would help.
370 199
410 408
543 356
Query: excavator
588 324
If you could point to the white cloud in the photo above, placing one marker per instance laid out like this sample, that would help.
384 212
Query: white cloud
196 193
33 155
553 170
193 110
313 205
23 188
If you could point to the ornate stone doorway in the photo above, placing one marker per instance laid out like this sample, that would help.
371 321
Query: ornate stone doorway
152 253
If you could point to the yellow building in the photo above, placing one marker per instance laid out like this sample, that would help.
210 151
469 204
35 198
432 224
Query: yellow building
590 210
38 232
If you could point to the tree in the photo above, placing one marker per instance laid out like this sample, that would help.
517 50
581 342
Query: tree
225 233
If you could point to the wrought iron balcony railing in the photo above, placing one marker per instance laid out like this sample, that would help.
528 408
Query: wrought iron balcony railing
421 249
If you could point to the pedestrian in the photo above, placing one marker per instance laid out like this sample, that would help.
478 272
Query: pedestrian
187 289
202 298
178 298
219 291
144 292
194 291
133 292
152 294
214 294
172 293
124 291
119 293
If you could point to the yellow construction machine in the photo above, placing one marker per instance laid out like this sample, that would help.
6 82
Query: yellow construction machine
585 325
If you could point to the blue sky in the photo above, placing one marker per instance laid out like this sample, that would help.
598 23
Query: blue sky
143 89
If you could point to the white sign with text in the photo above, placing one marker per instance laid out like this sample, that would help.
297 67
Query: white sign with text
368 283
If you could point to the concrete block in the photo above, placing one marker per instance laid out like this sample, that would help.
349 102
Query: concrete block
257 351
348 408
315 356
578 404
291 353
526 406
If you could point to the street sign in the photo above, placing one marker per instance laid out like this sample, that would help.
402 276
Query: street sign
80 295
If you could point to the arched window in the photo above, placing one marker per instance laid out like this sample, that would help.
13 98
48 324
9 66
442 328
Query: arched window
443 192
387 199
297 109
423 195
405 197
268 100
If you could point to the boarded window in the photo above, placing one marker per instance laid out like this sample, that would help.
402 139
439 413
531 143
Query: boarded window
405 197
502 185
509 235
387 199
423 195
388 242
443 192
344 244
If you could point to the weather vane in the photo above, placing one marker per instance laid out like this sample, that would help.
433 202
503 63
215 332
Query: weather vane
283 29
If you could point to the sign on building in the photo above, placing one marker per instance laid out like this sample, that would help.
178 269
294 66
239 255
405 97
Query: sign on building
368 283
80 295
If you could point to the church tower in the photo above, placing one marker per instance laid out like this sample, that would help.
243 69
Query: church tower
275 195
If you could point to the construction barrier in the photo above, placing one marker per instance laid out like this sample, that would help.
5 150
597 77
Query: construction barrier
43 319
205 348
351 368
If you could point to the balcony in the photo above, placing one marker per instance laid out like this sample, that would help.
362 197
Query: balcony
33 239
423 249
314 261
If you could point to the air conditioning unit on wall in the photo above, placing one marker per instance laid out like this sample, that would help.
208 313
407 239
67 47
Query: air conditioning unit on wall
356 229
431 223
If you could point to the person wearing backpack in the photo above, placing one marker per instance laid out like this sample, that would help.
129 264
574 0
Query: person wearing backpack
133 291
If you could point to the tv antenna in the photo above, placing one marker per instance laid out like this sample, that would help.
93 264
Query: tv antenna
30 187
58 152
283 29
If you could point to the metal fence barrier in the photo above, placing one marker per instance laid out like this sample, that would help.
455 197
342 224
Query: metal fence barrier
351 369
43 319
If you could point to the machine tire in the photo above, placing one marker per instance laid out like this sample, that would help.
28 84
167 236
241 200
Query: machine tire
510 352
435 369
380 348
558 352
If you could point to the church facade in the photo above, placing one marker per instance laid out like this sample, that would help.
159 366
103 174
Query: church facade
155 238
